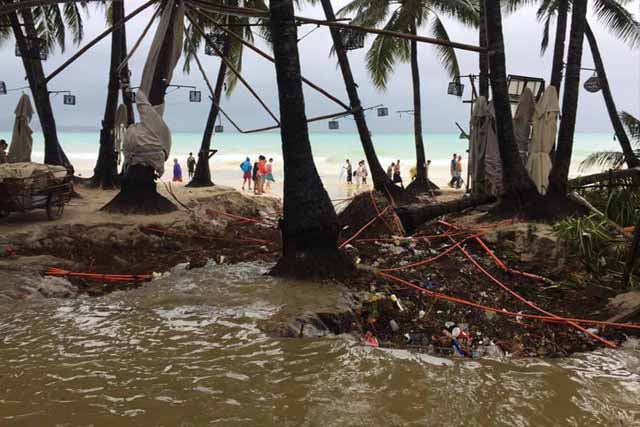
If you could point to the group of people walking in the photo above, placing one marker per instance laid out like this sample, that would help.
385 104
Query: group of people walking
260 174
360 175
177 169
456 171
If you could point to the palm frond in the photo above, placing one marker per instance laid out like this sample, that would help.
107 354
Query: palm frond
73 21
618 20
511 6
603 160
464 11
446 54
235 57
544 43
633 126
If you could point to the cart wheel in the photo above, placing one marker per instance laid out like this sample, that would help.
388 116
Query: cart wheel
55 206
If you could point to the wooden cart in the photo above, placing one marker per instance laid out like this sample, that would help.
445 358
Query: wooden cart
35 192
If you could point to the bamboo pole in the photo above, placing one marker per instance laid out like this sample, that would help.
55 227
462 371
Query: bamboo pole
232 68
95 41
125 61
270 58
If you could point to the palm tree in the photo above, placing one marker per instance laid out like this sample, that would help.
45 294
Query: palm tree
483 59
518 189
106 168
615 159
310 227
381 181
232 51
408 16
50 24
559 175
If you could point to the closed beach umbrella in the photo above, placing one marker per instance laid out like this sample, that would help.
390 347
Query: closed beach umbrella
522 121
21 140
545 125
479 127
120 128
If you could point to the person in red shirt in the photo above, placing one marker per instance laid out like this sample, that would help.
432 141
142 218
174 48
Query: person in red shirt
262 173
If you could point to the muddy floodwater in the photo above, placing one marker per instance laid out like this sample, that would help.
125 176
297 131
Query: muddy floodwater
190 350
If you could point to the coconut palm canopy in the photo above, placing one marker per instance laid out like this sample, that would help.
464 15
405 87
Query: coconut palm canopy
407 17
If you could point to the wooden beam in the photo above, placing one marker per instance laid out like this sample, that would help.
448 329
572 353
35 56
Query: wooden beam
125 61
270 58
231 67
95 41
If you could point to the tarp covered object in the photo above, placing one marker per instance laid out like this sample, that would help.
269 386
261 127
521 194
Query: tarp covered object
148 142
25 170
522 121
479 126
21 140
545 125
120 126
492 162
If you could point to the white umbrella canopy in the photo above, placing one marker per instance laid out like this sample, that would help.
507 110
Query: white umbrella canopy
21 140
522 120
545 126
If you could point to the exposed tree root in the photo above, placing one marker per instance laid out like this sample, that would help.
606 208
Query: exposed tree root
139 195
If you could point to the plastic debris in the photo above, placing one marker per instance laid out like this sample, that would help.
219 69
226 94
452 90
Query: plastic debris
370 339
394 325
396 301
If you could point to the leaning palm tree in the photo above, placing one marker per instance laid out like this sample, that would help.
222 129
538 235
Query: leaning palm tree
232 51
615 159
49 24
408 16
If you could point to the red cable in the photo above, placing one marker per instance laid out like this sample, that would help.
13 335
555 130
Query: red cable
357 233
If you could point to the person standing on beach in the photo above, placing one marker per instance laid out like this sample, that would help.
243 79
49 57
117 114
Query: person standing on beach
396 174
4 158
177 171
269 178
390 170
191 165
245 167
452 170
347 167
254 176
426 169
459 172
364 172
262 173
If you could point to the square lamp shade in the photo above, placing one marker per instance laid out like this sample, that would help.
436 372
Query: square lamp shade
3 88
69 100
195 96
517 84
455 88
334 125
383 112
218 129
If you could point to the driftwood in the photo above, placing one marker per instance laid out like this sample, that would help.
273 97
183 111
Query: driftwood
604 176
416 214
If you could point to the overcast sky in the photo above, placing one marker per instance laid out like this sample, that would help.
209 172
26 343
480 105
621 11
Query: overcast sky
87 79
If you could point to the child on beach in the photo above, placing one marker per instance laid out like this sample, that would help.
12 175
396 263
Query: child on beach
191 165
177 171
245 167
269 177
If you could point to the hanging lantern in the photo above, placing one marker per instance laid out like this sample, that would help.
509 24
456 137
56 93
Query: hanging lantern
195 96
352 39
69 100
593 84
215 38
129 96
218 129
383 112
35 49
3 88
455 88
334 125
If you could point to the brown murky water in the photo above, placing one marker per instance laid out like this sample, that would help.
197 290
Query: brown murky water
187 351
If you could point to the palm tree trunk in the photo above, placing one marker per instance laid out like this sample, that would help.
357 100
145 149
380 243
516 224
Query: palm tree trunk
559 176
558 47
623 139
107 164
483 59
202 174
125 74
518 187
53 153
421 184
380 179
310 227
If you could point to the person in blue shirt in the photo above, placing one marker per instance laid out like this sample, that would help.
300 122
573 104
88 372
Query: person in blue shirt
246 173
